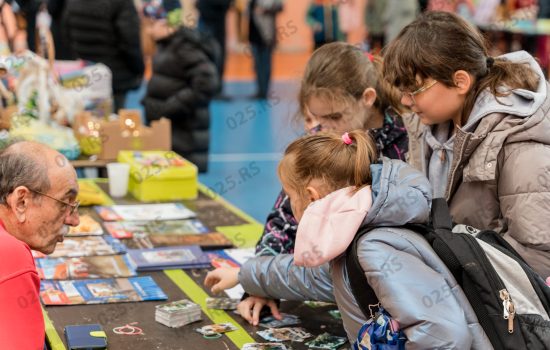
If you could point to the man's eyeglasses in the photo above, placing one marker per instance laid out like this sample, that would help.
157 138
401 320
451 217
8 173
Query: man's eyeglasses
411 95
73 206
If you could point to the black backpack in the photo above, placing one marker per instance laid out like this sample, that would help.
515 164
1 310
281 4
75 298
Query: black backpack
466 259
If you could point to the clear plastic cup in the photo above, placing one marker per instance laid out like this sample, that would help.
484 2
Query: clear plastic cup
118 174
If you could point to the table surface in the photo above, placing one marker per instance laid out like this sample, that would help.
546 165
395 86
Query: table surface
180 284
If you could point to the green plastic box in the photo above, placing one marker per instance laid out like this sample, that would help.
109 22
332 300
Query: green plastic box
160 175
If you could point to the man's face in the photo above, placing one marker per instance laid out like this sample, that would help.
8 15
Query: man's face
47 218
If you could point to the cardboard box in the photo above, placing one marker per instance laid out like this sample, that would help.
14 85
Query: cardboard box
160 175
106 138
5 116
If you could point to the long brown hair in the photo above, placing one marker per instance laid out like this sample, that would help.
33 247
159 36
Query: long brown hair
325 156
437 44
340 73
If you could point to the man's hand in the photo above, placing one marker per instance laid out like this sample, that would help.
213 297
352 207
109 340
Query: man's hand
222 278
250 309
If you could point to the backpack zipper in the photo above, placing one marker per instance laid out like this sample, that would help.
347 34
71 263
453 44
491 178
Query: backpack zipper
493 278
509 309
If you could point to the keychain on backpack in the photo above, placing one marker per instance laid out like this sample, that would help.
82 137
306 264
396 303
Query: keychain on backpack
381 332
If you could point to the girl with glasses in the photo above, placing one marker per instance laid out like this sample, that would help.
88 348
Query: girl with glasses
484 134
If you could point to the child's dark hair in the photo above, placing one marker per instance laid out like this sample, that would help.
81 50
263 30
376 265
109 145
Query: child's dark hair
327 157
437 44
341 72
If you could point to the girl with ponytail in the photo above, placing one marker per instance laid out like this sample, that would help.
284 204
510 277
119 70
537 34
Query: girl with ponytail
338 189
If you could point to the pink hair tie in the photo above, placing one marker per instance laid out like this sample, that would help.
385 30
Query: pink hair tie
369 56
347 140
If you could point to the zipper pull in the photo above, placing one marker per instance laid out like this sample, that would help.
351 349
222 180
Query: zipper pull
511 320
509 309
505 314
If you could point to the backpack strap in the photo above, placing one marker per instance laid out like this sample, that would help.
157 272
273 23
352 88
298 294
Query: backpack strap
362 291
441 216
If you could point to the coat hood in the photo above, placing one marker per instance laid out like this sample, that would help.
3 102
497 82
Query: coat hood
185 39
520 102
399 194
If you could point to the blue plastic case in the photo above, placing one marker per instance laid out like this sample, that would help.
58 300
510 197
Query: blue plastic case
84 337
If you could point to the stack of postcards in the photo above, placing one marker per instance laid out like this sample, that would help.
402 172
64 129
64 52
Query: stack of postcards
178 313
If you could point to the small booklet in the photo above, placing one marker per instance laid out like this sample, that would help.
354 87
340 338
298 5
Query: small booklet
241 255
109 266
85 246
127 229
211 240
100 291
219 258
145 212
87 227
184 257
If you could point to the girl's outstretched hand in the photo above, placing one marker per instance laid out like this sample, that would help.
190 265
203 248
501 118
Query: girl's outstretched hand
250 309
222 278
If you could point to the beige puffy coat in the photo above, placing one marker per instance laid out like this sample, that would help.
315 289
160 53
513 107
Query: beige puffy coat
499 178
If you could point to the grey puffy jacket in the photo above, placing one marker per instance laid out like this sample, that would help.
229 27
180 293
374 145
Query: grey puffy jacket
409 279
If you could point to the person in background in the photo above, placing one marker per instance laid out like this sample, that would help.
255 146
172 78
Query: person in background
322 17
212 20
56 9
375 25
38 189
397 14
183 83
107 31
262 35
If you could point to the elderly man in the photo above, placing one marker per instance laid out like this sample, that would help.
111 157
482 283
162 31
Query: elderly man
38 189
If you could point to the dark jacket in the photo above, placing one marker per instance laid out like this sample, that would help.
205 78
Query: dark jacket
327 17
213 9
107 31
62 49
183 83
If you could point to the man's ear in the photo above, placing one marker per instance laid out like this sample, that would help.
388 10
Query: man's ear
369 97
463 81
18 201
